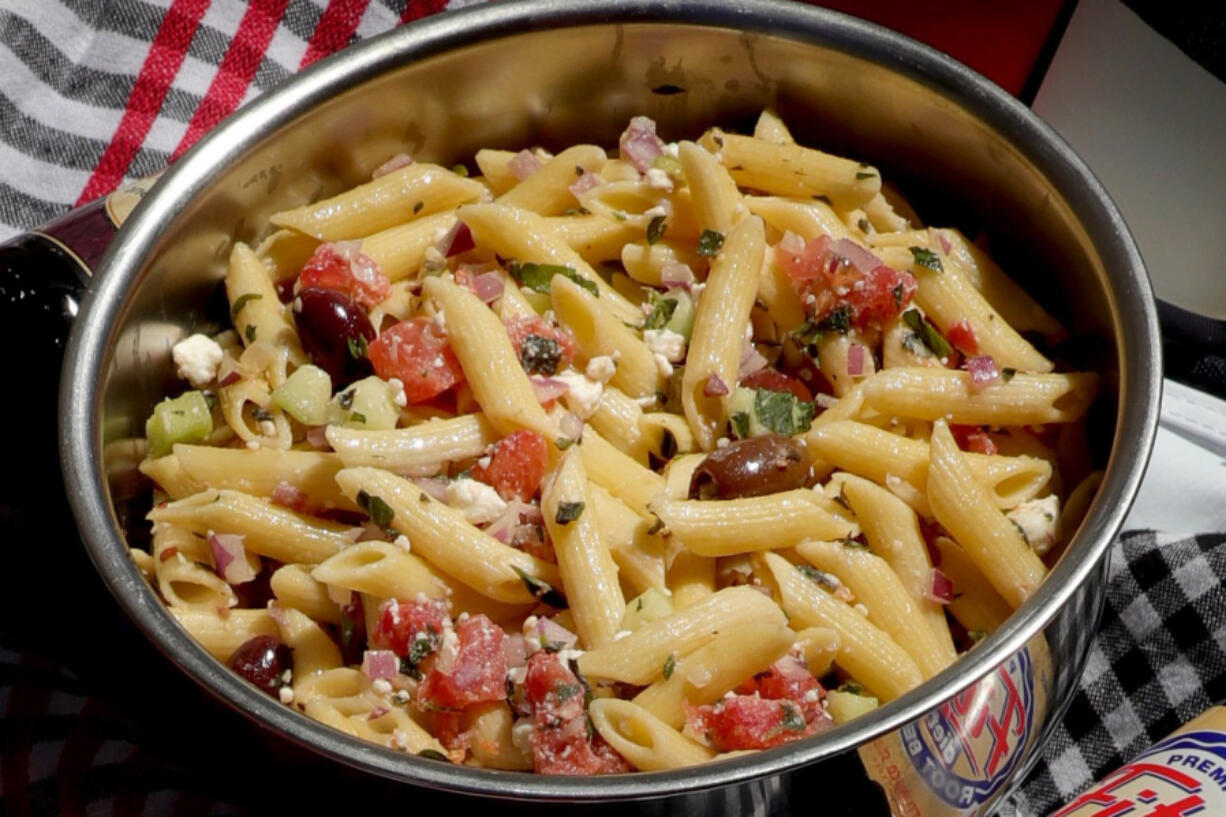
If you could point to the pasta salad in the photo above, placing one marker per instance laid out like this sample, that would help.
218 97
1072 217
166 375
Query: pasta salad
594 462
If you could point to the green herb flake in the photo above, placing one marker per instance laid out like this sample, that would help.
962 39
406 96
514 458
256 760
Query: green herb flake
249 333
540 355
819 577
357 417
740 424
670 665
977 635
710 243
864 174
417 207
568 512
783 412
540 590
838 320
656 228
563 443
433 754
567 691
854 544
357 347
379 511
926 258
242 301
662 311
864 225
537 277
898 296
927 333
460 170
793 718
851 687
1007 373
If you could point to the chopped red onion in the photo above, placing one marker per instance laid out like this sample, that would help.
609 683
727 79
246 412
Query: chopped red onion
585 183
436 488
983 371
316 437
515 649
230 558
393 164
524 164
792 243
855 360
488 286
377 712
941 239
639 144
229 378
548 388
378 664
860 258
571 425
675 274
751 361
288 496
456 240
938 587
550 632
503 528
370 532
714 387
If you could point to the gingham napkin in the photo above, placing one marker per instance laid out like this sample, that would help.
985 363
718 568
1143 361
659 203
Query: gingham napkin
93 92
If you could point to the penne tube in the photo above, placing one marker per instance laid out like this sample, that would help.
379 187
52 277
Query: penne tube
547 191
976 605
724 527
819 646
262 471
314 650
255 308
443 537
714 194
595 238
770 128
400 251
1026 399
222 635
691 579
808 219
294 587
621 475
419 450
495 169
415 191
639 555
266 529
966 510
649 744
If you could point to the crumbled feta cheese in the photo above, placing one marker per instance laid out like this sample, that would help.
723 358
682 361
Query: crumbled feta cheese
517 675
530 624
399 740
666 368
440 319
723 442
697 289
601 368
521 735
1036 518
196 359
286 694
398 395
648 401
485 461
658 210
403 543
584 394
569 655
254 445
381 686
665 342
811 696
672 149
438 362
268 428
477 501
620 634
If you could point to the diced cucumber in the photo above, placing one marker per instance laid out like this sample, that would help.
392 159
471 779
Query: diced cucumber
753 412
651 605
305 394
846 706
185 419
741 414
368 404
673 311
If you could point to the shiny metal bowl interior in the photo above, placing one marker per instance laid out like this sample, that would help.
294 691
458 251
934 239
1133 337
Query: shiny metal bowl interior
553 72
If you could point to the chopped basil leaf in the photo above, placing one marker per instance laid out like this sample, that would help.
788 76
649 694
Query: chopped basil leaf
537 277
379 511
249 333
433 754
864 226
927 333
417 207
670 665
357 347
926 258
793 718
852 687
459 170
357 417
655 528
839 320
655 229
864 174
567 691
740 424
1006 374
540 355
242 301
782 411
977 635
661 312
818 577
540 589
568 512
710 242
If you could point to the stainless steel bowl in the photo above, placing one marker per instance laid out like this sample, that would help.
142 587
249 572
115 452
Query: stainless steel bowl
554 72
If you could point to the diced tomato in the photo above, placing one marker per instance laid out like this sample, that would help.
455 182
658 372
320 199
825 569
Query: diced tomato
751 722
773 380
973 438
345 270
517 465
962 335
400 622
520 329
825 280
561 743
478 673
448 727
417 352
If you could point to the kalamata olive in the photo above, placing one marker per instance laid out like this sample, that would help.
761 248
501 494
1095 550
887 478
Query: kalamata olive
263 661
753 467
335 331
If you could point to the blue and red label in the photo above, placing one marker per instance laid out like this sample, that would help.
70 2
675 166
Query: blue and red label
1179 777
965 750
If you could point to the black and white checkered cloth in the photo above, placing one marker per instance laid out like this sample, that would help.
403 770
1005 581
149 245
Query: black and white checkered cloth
1158 661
